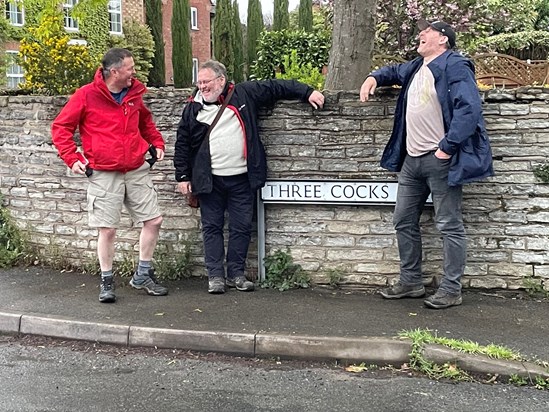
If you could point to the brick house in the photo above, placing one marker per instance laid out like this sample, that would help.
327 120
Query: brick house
119 10
201 22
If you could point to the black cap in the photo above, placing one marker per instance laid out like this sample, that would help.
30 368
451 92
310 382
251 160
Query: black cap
441 27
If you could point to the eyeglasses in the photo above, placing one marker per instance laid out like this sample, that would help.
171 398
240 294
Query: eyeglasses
205 82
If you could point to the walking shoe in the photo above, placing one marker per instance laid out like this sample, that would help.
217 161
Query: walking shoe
442 300
106 290
149 283
240 283
399 290
216 285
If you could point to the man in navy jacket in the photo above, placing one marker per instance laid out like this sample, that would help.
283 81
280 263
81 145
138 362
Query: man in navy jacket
439 142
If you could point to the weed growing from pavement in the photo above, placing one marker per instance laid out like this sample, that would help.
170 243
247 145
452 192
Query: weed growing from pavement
174 265
421 337
418 363
534 287
13 247
335 276
282 273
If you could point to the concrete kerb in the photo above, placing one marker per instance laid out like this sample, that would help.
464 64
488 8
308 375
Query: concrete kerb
483 364
370 350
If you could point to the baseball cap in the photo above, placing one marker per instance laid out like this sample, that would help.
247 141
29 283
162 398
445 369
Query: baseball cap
441 27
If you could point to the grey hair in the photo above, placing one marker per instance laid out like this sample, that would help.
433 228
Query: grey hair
218 68
114 58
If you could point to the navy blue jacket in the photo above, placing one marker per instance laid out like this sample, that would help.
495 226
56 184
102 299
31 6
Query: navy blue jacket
465 135
192 160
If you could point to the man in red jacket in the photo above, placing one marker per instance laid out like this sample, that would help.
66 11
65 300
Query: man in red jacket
117 131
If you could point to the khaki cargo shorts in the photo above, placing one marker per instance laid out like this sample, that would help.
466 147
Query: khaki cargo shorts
108 191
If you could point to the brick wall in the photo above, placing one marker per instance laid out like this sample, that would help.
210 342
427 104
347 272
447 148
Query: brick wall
133 10
200 37
506 216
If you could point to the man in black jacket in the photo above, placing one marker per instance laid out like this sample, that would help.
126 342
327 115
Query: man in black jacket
226 171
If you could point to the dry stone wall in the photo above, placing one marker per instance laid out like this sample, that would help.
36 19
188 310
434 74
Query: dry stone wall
506 216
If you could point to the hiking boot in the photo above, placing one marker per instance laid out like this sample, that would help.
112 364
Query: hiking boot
148 283
106 290
240 283
442 300
216 285
399 290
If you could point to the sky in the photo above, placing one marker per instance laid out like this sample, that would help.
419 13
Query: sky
266 7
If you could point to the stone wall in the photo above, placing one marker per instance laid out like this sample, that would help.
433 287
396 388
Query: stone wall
506 216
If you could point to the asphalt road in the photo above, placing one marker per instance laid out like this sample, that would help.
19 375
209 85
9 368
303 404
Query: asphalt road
42 374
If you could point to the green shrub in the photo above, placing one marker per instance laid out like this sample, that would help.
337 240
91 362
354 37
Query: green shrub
53 66
282 274
275 46
523 45
305 73
138 39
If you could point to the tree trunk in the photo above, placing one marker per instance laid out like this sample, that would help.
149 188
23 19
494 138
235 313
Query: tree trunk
352 44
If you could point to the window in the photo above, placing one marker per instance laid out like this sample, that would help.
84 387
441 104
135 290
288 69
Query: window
14 72
194 18
70 23
195 70
115 16
14 13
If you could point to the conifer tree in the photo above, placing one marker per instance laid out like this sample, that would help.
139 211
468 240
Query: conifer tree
223 35
182 55
153 15
237 45
254 28
305 19
281 18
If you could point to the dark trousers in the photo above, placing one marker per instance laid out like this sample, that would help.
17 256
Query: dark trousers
419 177
232 194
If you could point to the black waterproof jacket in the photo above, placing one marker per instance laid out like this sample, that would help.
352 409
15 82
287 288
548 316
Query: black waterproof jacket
192 160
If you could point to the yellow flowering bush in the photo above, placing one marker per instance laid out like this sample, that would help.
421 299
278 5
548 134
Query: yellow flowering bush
52 65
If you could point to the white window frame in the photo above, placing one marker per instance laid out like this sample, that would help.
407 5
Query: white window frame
195 70
115 16
194 18
14 71
70 23
15 12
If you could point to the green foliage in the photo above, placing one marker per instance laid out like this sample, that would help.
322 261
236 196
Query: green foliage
173 265
223 35
274 46
542 172
518 380
153 17
12 245
305 19
281 17
335 276
93 25
303 72
238 45
125 267
137 38
282 274
51 65
182 55
524 45
254 29
534 287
